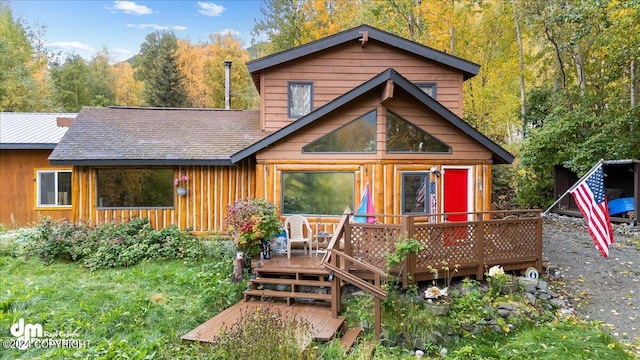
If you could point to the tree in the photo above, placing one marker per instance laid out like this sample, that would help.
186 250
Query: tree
157 67
243 92
23 84
101 79
70 81
127 90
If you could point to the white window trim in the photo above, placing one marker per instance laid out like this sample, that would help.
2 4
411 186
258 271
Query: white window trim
39 189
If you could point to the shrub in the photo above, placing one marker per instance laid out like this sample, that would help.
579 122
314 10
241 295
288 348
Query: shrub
111 244
264 334
252 221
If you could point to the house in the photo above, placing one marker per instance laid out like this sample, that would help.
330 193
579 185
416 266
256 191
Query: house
31 186
359 107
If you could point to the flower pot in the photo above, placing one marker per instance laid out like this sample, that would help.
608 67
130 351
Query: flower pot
182 191
438 308
509 287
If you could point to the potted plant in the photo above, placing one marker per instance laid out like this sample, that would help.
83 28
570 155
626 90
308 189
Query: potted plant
438 300
253 224
501 283
181 184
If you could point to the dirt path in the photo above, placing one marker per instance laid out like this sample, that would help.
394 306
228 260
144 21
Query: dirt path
599 288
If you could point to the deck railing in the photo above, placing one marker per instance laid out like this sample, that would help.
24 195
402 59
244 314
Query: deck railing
357 251
512 239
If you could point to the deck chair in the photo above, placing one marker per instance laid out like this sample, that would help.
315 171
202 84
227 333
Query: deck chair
294 227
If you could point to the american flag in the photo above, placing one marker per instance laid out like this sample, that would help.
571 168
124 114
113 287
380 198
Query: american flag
433 200
589 196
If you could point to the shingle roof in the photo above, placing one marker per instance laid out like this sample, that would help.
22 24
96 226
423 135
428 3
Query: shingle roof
468 68
31 130
156 136
500 155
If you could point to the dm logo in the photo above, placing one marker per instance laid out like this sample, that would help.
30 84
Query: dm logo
24 332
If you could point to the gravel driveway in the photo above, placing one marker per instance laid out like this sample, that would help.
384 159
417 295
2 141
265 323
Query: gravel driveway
598 288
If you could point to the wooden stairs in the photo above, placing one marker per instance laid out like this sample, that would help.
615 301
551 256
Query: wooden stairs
290 284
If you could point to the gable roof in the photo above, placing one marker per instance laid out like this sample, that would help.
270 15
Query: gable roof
31 130
468 68
156 136
500 155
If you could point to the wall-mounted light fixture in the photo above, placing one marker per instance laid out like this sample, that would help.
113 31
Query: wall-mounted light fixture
435 171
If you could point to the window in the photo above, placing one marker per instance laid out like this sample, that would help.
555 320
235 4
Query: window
428 88
131 188
300 98
317 192
54 188
357 136
416 193
404 137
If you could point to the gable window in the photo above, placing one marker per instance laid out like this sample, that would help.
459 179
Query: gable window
54 188
358 136
428 88
135 188
404 137
317 192
415 193
300 98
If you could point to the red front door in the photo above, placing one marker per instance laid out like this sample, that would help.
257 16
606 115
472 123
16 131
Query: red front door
456 193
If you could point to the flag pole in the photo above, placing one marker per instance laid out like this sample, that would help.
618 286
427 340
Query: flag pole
585 176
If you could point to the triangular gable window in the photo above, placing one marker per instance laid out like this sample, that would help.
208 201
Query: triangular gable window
402 136
357 136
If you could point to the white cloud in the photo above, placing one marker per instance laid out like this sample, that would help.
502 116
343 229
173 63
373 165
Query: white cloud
130 7
70 45
210 9
158 27
228 32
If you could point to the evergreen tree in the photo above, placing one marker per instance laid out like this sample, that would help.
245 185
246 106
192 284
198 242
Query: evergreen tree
157 67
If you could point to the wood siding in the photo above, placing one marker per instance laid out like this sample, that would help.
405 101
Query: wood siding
18 205
338 70
384 177
203 209
463 147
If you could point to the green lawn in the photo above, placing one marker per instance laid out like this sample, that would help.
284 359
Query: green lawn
140 312
135 312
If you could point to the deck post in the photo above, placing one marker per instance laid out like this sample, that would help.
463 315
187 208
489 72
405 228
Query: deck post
539 243
481 239
336 293
377 312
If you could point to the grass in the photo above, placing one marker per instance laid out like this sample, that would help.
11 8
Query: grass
141 312
137 313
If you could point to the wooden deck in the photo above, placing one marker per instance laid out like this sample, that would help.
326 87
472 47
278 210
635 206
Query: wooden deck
312 308
319 317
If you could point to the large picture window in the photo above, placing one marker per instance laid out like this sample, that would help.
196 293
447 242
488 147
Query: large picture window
415 193
54 188
405 137
358 136
317 193
135 188
300 98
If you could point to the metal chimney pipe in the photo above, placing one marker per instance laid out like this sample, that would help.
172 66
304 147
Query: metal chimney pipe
227 85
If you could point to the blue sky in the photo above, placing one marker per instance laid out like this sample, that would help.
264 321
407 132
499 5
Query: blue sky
83 26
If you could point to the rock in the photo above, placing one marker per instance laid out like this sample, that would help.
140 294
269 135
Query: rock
505 306
419 353
530 298
504 313
558 303
543 285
